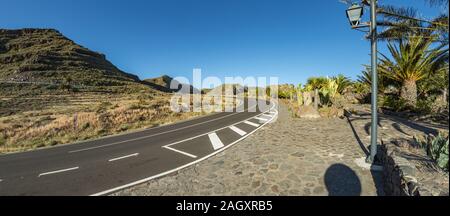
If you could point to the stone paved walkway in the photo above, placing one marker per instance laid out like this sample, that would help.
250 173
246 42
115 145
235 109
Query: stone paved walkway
288 157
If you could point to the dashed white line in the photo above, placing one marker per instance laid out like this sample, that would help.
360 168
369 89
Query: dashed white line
238 131
152 135
261 119
178 168
251 123
58 171
215 141
124 157
270 116
181 152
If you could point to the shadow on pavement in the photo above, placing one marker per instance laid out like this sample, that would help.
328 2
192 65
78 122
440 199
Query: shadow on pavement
358 139
341 180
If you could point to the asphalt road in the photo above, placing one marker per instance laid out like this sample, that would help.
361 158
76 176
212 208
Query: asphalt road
102 166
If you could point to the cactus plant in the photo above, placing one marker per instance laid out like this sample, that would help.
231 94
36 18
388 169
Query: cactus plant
300 94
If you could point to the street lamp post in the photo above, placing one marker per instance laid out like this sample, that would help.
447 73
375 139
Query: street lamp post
354 14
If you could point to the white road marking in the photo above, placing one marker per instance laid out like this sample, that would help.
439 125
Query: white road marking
123 157
195 137
215 141
1 180
261 119
181 152
145 137
270 116
238 131
251 123
178 168
336 155
58 171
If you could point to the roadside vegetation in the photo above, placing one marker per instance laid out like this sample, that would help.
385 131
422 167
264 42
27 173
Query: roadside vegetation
413 78
54 91
28 123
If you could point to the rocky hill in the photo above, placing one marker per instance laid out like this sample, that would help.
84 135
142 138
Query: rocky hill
226 89
163 83
45 56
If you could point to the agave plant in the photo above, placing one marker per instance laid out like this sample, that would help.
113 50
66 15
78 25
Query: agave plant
413 60
329 91
437 148
299 91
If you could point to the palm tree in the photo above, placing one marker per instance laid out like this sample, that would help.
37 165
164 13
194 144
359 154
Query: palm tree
413 60
403 22
316 83
384 82
343 82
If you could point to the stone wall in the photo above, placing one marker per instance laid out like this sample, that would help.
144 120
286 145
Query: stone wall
398 173
400 176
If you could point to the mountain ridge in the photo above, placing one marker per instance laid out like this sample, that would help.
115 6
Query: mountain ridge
46 55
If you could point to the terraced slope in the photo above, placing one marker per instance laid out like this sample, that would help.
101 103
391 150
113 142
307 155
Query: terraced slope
46 57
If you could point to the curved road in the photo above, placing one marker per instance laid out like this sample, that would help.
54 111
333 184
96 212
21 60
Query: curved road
100 167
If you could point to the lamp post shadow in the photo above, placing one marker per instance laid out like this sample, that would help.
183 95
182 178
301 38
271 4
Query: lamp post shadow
341 180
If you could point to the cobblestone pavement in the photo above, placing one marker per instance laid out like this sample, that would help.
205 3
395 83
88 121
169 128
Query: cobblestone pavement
288 157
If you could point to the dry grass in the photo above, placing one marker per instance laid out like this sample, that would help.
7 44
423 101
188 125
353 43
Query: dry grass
70 118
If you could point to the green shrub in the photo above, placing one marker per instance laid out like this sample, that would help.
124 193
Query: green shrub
124 127
425 106
53 143
393 102
52 87
2 140
102 107
85 126
283 95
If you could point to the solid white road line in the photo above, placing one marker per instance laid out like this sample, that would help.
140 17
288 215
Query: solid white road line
58 171
181 152
152 135
178 168
215 141
238 131
123 157
251 123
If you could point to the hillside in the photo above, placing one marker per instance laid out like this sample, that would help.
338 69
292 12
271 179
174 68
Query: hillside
163 83
223 89
46 57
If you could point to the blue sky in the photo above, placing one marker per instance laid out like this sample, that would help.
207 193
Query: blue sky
291 39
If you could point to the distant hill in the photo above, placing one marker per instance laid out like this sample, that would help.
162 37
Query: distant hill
220 90
163 83
237 89
45 56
